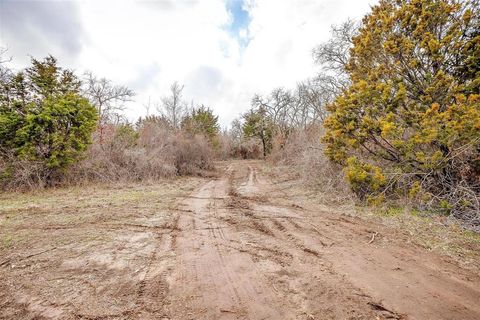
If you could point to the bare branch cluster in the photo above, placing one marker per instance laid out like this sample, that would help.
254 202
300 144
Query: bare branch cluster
289 109
333 56
109 99
173 107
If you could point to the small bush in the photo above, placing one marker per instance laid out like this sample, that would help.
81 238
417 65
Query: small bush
248 148
21 174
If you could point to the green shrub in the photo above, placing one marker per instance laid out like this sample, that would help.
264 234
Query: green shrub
412 111
44 120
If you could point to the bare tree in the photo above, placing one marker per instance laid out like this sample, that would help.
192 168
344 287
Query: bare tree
277 107
3 51
315 94
6 75
236 132
4 71
173 107
147 106
334 54
288 109
109 99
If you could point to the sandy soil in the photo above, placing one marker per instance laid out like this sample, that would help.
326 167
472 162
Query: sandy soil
234 248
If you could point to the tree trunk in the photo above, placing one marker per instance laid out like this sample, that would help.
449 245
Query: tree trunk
264 147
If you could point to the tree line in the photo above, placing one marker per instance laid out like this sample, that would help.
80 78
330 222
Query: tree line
57 126
397 100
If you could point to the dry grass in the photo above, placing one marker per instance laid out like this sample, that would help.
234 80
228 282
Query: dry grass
303 159
437 233
431 231
61 248
71 207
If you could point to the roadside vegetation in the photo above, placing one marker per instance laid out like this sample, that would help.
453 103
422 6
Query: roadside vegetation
391 119
57 128
394 113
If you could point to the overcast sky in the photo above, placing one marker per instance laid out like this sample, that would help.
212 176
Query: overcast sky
223 51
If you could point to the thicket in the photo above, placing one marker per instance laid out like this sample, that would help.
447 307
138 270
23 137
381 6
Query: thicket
57 128
149 150
397 103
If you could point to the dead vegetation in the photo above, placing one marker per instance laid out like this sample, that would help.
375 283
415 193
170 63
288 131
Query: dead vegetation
302 158
185 248
84 253
441 234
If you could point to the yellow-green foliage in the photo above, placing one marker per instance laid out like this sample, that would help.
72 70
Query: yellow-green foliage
363 177
413 106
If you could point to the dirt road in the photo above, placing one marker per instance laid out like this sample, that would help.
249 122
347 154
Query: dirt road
237 247
242 255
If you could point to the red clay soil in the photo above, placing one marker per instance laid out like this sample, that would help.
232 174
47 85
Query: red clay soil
241 256
230 250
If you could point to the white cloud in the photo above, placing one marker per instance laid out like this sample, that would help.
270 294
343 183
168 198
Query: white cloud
282 36
243 33
149 44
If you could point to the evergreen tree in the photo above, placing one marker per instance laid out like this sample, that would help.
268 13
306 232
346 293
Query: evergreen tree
43 117
411 116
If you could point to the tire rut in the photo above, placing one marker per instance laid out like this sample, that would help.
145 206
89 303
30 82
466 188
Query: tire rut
241 255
